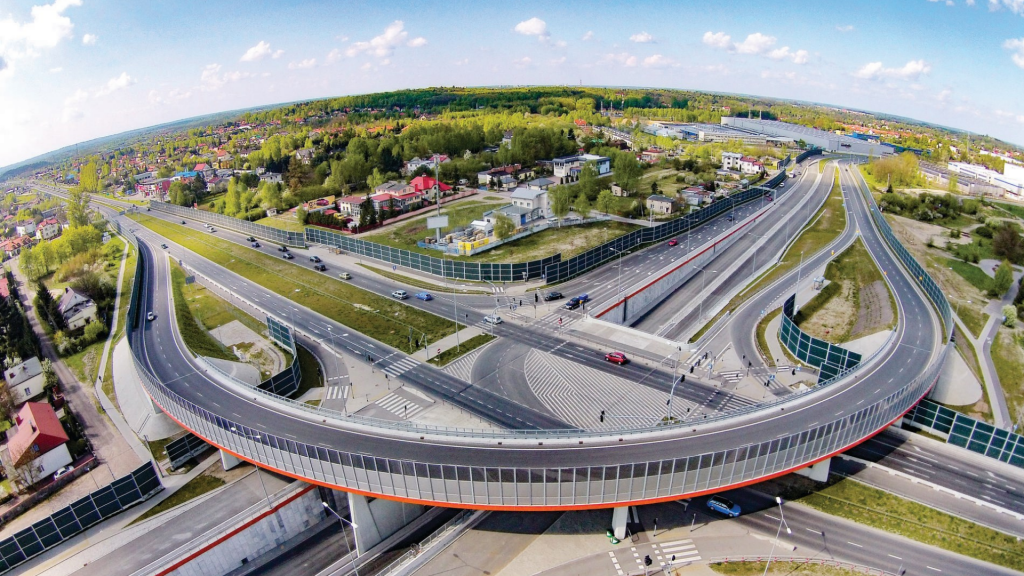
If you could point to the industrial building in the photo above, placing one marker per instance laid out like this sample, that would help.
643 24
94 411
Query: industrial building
827 141
1012 182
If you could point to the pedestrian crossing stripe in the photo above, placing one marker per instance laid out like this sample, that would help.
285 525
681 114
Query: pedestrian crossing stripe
336 392
401 367
398 405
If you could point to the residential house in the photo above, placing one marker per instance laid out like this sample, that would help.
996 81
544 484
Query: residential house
751 165
305 155
652 156
696 196
519 215
506 138
272 177
567 168
205 169
429 187
350 205
11 247
540 183
39 446
156 188
431 162
493 175
395 187
533 199
77 309
185 177
49 228
659 204
26 228
5 288
619 190
25 380
731 160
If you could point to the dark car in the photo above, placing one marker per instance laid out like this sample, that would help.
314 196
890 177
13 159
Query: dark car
164 246
182 222
282 248
320 267
553 296
287 256
255 244
250 239
315 259
573 304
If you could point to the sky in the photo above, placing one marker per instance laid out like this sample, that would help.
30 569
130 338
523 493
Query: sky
72 70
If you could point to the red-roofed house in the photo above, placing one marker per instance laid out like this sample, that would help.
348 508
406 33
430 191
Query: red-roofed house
47 229
350 205
11 247
40 444
428 185
5 288
751 165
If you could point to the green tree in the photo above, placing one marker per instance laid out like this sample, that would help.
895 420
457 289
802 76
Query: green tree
605 201
1009 315
77 207
1002 281
233 199
952 186
375 179
48 306
335 182
588 183
560 198
582 206
654 187
1007 244
302 215
503 227
365 210
627 170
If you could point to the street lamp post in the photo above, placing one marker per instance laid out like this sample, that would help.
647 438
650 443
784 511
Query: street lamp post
799 270
619 252
354 526
753 265
703 279
782 520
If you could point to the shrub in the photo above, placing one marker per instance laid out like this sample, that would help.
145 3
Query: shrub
1009 315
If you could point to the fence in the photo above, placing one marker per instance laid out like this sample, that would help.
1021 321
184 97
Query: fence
286 382
244 226
830 359
966 432
69 521
805 155
405 559
184 449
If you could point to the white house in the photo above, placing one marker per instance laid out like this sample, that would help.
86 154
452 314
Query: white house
25 380
47 229
77 309
39 446
567 168
750 165
731 160
25 228
532 199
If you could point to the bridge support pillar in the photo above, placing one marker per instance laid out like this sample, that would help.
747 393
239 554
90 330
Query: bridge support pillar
377 518
817 472
620 516
229 461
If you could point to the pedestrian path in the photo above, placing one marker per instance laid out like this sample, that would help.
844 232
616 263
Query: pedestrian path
632 560
399 405
336 392
676 552
400 367
579 394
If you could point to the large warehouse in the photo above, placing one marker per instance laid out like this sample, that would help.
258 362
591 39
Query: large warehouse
825 140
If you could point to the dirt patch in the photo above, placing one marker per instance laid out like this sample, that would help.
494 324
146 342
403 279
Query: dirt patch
833 319
875 312
915 232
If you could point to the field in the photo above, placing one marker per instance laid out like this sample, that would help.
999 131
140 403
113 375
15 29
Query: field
198 340
381 318
1008 358
569 240
286 221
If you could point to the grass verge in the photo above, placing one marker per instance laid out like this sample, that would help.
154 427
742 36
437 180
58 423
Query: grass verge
311 375
464 348
196 338
419 283
779 569
1008 359
972 318
876 508
762 336
825 227
380 318
982 410
193 488
971 273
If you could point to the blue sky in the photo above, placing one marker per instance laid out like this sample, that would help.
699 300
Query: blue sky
71 70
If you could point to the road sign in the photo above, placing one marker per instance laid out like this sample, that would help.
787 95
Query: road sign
437 222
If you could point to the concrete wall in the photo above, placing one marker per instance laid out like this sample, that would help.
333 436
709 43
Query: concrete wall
376 518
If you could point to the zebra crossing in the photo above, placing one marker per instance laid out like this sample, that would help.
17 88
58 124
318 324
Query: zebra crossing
402 366
732 376
663 554
676 552
399 405
336 392
578 394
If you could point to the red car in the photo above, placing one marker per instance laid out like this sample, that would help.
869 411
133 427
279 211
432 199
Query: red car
616 357
673 242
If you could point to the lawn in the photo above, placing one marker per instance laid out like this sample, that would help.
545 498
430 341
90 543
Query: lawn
121 322
467 346
383 319
310 368
971 317
762 336
825 227
198 340
736 568
286 221
430 286
1008 358
1014 209
193 488
405 234
879 509
569 240
976 276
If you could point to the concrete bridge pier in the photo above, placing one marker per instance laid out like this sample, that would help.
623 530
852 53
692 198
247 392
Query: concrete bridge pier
229 460
817 472
620 517
376 518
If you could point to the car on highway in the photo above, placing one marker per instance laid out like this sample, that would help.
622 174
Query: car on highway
182 222
287 256
400 294
616 358
164 246
212 229
282 248
150 316
584 297
553 296
573 304
320 267
62 471
255 244
673 242
250 239
493 319
724 506
315 259
344 275
425 296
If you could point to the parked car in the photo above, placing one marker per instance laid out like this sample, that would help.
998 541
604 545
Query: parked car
617 358
673 242
62 471
400 294
425 296
255 244
287 256
250 239
150 316
212 229
315 259
553 296
493 319
723 506
344 276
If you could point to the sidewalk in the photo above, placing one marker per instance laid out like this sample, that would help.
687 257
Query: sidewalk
446 343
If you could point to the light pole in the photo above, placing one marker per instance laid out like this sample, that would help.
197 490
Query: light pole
619 252
782 520
799 270
753 264
703 278
354 528
455 301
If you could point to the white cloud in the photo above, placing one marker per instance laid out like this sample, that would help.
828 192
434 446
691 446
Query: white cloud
522 62
557 61
417 42
116 83
588 35
970 2
658 61
79 96
259 52
717 40
462 62
212 79
56 70
333 56
755 43
381 46
846 28
798 57
307 63
1015 6
366 66
174 95
47 27
533 27
71 113
90 39
641 38
910 71
624 58
768 74
1017 46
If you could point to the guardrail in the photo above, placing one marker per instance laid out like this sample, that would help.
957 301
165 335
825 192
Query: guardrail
405 559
